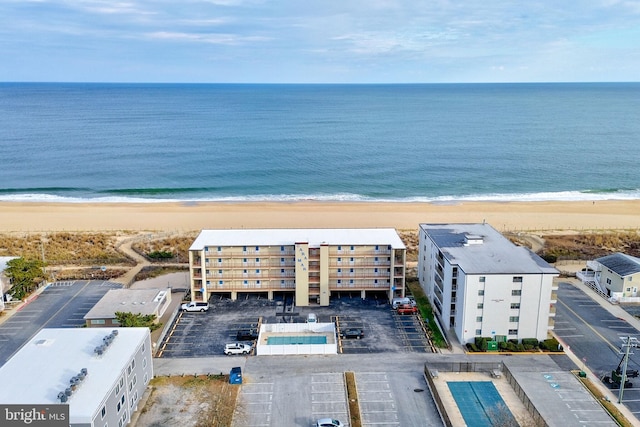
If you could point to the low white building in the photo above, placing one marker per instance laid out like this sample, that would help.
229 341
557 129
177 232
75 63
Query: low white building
137 301
4 280
482 285
101 374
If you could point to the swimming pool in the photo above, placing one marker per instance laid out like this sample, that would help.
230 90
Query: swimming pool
480 404
297 340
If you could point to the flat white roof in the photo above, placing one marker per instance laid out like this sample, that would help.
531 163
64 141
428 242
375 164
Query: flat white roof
43 367
289 236
137 301
494 255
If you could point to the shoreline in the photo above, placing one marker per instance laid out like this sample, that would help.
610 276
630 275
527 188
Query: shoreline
189 216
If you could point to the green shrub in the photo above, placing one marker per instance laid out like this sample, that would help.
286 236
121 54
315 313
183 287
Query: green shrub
551 344
160 255
550 258
533 342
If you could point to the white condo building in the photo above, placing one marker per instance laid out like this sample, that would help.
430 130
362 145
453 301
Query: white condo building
101 374
309 263
482 285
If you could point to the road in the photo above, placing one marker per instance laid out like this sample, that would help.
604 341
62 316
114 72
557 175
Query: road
595 335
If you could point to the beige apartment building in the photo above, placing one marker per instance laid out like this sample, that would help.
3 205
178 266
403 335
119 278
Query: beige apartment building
312 264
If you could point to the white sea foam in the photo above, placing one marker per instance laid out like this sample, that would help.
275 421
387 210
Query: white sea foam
339 197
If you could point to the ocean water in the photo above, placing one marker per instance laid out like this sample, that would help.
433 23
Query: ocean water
439 143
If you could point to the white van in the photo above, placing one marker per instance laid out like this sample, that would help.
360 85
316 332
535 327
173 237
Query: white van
401 301
311 318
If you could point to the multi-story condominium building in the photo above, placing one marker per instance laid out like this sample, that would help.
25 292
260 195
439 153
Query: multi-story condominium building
482 285
311 263
100 374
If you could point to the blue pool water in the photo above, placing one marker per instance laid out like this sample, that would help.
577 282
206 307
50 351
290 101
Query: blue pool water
480 403
309 339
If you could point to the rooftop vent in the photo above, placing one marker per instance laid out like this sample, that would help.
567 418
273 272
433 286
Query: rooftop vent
473 239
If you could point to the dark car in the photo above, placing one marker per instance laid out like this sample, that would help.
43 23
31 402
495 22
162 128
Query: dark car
356 333
247 335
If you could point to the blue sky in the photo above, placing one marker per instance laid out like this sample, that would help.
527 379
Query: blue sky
319 41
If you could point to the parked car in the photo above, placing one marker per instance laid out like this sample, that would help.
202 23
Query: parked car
247 335
407 309
356 333
396 302
195 306
328 422
237 348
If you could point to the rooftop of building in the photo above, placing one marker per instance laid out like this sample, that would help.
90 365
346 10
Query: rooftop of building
621 264
44 366
315 237
137 301
480 249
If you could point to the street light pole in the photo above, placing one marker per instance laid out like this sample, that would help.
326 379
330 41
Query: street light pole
627 343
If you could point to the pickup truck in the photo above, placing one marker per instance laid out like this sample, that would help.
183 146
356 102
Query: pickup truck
237 348
407 309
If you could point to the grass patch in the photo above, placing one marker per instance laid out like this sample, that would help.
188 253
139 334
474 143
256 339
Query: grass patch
426 312
65 248
152 271
352 396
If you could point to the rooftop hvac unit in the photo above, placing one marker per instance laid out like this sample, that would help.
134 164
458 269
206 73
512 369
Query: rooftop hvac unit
84 371
99 350
68 391
62 397
114 332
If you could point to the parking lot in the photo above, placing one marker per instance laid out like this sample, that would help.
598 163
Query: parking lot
59 305
205 334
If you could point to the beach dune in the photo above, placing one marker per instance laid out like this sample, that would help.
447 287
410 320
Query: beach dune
507 216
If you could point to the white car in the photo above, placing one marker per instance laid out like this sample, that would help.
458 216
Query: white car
195 306
328 422
237 348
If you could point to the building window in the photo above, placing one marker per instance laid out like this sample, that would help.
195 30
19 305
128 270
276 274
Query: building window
245 282
219 249
608 281
258 271
351 259
339 259
97 321
104 411
339 270
244 248
339 281
282 270
118 406
144 363
480 292
352 248
375 270
478 332
515 305
122 399
482 279
480 305
479 319
146 378
514 318
220 282
219 271
517 279
257 248
219 260
351 281
377 248
513 332
351 270
516 292
339 248
281 248
376 259
375 281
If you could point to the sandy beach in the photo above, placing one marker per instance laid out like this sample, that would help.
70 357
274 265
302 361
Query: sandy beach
512 216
